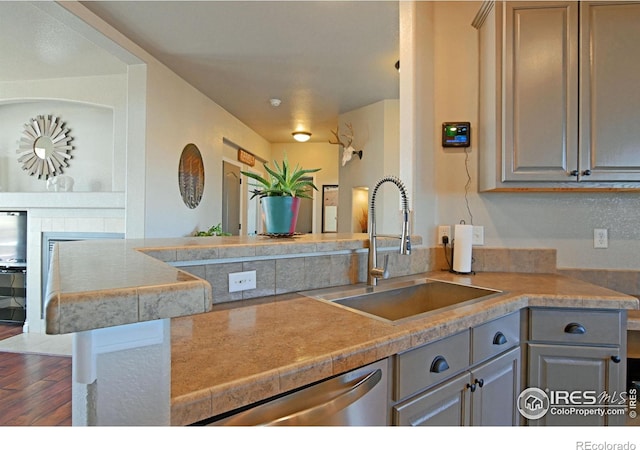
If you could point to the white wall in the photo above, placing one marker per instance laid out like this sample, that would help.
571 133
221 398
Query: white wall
178 114
376 133
90 166
418 106
310 155
564 221
93 109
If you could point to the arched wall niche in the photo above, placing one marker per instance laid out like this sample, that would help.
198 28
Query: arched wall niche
94 151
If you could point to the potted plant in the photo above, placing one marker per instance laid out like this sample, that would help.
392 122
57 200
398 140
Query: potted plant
280 195
215 230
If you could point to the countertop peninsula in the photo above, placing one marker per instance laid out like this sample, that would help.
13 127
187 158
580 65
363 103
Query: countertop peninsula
228 355
105 283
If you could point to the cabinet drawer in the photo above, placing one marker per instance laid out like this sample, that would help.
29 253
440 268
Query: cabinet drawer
494 337
424 366
576 326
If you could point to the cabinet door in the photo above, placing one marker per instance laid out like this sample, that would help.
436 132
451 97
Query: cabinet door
446 404
576 369
497 383
540 91
610 98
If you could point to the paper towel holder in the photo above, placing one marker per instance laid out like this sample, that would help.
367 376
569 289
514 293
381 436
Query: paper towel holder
451 269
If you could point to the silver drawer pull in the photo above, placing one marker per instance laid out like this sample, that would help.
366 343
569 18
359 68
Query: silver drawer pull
439 365
575 328
499 339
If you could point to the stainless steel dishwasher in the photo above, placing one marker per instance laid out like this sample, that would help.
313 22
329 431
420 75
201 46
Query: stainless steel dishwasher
358 398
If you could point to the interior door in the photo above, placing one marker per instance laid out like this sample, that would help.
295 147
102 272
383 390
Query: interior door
230 198
329 208
305 214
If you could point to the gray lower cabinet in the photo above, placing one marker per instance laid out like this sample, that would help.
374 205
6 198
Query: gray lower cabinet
577 370
470 378
498 385
446 404
485 395
578 358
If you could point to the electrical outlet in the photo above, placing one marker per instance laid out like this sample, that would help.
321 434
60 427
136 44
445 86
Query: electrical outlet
242 281
444 230
600 238
478 235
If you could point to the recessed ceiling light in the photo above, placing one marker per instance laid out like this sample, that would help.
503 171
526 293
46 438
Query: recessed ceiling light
301 136
275 102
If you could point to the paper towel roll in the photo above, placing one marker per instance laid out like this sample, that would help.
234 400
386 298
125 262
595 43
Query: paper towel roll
463 239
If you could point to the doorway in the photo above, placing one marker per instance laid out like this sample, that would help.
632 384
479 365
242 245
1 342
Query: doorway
304 224
231 200
330 208
255 221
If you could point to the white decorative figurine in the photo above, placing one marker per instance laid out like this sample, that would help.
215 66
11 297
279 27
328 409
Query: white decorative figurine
348 150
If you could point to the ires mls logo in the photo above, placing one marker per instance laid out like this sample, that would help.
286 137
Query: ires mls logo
534 403
633 397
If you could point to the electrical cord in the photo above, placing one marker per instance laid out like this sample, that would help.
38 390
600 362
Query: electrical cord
468 184
445 241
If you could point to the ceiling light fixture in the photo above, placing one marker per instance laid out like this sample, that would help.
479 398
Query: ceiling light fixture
301 136
275 102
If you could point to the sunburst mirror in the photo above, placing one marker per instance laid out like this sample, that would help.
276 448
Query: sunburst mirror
44 147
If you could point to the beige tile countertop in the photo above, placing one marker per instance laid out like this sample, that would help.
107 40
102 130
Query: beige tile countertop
633 322
247 351
108 283
98 284
233 354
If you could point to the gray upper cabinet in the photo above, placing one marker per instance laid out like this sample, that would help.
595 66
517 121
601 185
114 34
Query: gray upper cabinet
610 91
559 103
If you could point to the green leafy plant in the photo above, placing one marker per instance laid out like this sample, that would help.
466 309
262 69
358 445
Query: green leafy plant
215 230
283 181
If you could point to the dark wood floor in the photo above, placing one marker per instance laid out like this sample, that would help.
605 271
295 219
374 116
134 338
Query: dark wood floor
34 389
7 331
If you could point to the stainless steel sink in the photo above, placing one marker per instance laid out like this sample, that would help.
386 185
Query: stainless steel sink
402 300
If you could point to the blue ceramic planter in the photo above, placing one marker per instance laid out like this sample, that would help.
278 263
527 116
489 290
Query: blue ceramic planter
280 214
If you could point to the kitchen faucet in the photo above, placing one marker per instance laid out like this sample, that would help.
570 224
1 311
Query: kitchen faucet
374 272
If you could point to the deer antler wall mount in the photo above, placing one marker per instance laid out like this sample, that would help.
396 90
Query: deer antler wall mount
348 149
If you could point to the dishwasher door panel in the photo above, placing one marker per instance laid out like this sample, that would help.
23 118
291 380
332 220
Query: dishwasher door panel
356 398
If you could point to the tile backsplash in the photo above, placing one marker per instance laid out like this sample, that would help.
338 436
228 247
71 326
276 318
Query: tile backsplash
291 273
486 259
625 281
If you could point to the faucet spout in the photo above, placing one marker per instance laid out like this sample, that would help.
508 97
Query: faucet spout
373 271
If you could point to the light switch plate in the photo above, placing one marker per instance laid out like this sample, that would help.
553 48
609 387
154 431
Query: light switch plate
242 281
